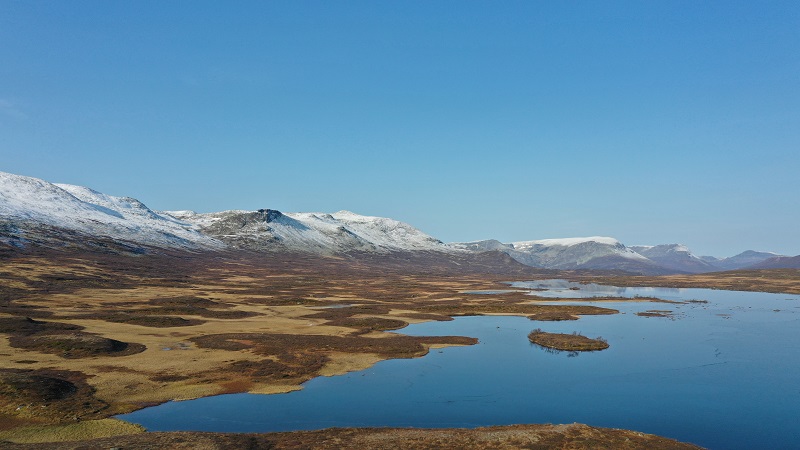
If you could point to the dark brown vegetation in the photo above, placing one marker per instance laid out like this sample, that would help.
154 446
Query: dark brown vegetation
50 396
655 313
568 342
552 316
75 344
349 311
495 307
25 326
289 345
145 319
65 340
532 437
194 306
294 368
367 324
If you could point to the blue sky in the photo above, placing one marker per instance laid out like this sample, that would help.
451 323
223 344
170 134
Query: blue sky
652 122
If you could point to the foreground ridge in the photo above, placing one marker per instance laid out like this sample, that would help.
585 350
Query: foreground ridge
573 436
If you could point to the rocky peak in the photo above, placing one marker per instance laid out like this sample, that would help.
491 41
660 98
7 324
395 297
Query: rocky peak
269 215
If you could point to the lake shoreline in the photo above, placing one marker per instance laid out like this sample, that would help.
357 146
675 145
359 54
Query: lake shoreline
566 342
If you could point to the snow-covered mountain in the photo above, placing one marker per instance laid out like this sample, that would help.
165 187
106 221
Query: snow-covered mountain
744 260
340 232
674 256
605 253
571 253
35 211
597 252
778 262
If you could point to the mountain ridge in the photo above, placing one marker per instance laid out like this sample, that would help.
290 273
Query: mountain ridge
36 212
778 262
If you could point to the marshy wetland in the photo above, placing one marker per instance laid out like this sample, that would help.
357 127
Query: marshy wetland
708 374
85 340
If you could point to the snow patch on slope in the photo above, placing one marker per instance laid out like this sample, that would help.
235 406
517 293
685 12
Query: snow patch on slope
79 209
676 257
325 233
581 249
595 252
566 242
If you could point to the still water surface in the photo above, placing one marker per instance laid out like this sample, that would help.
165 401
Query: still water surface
723 374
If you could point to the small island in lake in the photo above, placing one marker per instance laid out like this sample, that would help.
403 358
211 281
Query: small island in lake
569 342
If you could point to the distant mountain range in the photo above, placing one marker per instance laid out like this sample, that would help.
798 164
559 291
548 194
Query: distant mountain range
779 262
36 213
605 253
599 253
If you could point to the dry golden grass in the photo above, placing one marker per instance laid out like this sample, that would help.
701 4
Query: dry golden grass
89 429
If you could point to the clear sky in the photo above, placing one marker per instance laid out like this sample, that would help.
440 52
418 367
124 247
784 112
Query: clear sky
649 121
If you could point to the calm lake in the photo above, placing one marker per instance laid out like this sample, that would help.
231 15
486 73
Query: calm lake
723 374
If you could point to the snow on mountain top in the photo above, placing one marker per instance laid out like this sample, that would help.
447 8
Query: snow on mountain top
33 199
570 253
180 213
345 213
315 232
479 242
756 252
567 242
381 232
85 210
661 248
30 202
125 205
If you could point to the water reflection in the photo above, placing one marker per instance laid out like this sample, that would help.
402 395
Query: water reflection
558 288
554 351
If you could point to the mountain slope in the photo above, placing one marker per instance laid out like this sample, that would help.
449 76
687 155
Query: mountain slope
597 253
341 232
744 260
778 262
35 211
572 253
676 257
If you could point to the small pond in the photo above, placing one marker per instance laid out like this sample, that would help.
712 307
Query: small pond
721 374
